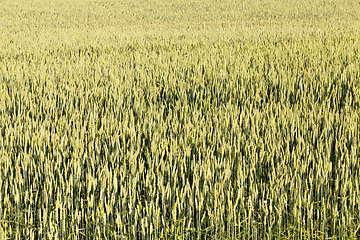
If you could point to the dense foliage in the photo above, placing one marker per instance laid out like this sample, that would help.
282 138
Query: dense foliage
108 131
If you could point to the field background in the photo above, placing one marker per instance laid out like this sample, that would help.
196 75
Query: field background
179 120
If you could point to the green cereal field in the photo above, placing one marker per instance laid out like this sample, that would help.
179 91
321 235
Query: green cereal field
155 119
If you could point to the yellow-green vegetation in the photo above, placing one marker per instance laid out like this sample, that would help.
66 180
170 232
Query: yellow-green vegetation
179 119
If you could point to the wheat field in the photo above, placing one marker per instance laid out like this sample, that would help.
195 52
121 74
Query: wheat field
179 120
